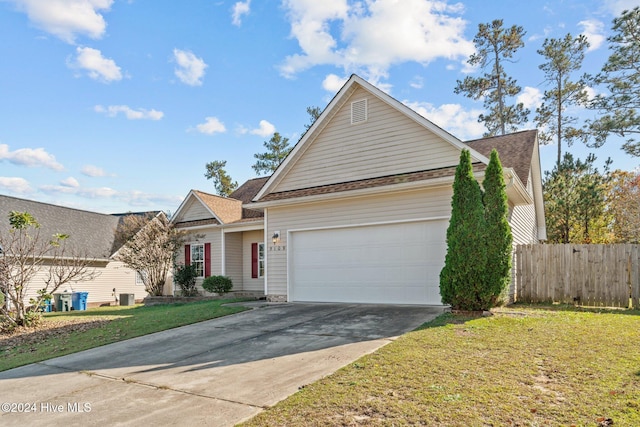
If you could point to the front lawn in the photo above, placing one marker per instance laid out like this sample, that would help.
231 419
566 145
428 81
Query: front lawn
68 332
524 366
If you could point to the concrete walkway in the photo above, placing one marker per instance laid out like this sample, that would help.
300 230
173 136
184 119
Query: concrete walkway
215 373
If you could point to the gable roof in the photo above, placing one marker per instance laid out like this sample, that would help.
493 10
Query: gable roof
223 208
515 150
336 104
91 234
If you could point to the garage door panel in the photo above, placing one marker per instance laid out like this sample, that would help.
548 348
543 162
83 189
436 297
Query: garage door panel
392 263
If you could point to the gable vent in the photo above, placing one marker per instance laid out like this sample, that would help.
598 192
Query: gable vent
359 111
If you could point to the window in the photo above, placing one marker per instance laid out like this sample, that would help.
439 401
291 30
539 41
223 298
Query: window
140 275
257 260
260 259
197 259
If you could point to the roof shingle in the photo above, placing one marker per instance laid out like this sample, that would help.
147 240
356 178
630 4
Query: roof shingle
515 150
90 234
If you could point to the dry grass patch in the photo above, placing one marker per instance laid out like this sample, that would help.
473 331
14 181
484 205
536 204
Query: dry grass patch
521 367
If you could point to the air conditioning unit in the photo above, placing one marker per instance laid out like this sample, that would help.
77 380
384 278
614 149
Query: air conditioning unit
127 299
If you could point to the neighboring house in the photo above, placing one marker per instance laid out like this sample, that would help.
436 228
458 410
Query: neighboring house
91 235
359 209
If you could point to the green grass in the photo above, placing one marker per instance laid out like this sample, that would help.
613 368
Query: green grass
524 366
114 324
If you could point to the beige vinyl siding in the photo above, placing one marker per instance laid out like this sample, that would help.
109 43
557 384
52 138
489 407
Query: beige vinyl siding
387 143
523 221
112 275
194 211
233 259
406 205
211 235
250 284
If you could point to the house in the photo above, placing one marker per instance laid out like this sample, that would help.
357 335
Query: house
358 211
91 235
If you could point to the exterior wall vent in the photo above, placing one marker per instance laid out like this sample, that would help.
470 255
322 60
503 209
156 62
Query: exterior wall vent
359 111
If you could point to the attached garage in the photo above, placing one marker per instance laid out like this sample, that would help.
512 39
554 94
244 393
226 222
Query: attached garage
396 263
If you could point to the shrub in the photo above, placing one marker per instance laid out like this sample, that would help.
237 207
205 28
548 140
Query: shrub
185 277
461 279
498 232
217 284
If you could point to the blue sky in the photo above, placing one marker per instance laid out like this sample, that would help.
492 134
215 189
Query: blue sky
117 105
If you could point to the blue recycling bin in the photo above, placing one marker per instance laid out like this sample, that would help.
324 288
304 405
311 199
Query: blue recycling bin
47 306
79 300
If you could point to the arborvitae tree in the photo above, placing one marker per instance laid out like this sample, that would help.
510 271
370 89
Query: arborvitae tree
498 232
563 56
222 182
461 279
278 149
495 45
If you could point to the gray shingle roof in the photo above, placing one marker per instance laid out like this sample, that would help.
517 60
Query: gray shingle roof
91 234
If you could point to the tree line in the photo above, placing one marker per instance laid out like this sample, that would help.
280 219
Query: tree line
583 205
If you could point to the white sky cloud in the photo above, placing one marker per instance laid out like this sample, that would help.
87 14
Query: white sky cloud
93 171
211 126
594 32
264 129
32 157
530 97
417 82
70 182
333 83
15 184
240 9
617 6
130 113
190 69
97 66
374 35
452 118
89 193
67 18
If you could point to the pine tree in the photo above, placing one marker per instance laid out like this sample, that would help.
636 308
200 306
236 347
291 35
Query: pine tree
621 76
278 149
494 46
563 56
498 236
222 182
461 279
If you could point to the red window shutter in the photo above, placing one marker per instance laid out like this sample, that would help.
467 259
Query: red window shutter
207 259
254 260
187 254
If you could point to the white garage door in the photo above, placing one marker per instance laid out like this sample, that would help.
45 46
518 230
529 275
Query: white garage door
390 264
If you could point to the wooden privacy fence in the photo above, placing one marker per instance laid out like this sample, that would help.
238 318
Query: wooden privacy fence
589 275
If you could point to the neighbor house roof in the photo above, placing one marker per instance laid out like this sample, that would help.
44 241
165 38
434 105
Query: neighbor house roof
515 150
91 234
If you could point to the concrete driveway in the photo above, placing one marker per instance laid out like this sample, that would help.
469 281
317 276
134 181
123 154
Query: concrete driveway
214 373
